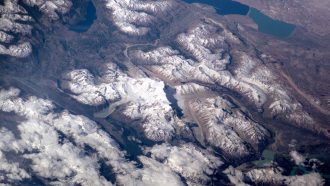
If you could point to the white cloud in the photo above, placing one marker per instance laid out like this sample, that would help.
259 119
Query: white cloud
236 177
273 176
312 179
297 157
63 159
153 173
9 171
39 141
193 163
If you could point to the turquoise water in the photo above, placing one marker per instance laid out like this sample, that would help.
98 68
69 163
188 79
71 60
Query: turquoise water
267 157
270 26
265 23
224 7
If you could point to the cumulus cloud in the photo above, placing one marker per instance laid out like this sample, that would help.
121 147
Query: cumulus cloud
196 165
55 143
298 158
39 142
236 177
312 179
9 171
271 175
153 173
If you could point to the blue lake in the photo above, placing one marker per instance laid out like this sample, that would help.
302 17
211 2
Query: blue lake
87 22
224 7
265 23
271 26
